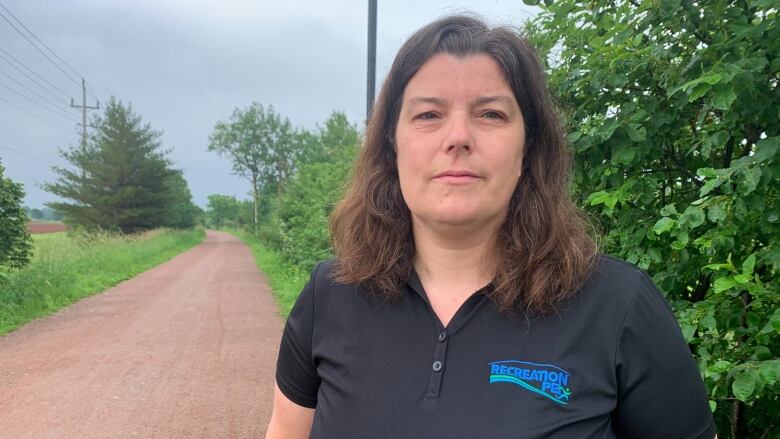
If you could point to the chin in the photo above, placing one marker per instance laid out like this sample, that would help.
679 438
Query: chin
457 218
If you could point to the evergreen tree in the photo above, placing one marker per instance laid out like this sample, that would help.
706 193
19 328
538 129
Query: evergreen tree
121 177
181 212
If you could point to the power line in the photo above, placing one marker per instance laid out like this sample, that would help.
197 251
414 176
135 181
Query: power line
37 48
33 156
35 116
39 40
46 46
45 99
67 95
36 103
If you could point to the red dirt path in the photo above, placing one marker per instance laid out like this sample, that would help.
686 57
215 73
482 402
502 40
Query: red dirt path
185 350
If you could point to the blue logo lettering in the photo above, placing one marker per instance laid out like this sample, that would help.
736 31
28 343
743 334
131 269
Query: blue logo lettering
547 380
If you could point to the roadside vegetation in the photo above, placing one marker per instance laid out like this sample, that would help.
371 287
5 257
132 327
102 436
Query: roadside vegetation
286 279
297 187
67 267
126 204
671 114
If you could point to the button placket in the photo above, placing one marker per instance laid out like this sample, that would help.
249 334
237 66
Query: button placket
437 367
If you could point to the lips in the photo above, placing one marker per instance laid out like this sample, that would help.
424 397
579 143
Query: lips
456 177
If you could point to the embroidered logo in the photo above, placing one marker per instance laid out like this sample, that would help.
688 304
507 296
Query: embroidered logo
547 380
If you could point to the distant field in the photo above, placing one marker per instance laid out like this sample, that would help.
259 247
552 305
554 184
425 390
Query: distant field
46 227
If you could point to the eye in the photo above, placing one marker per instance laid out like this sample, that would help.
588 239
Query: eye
428 115
493 114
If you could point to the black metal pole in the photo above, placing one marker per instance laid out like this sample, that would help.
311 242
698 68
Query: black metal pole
371 77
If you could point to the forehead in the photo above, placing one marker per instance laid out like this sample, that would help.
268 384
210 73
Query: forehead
451 77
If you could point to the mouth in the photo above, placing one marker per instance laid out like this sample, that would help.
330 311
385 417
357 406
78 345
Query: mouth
456 177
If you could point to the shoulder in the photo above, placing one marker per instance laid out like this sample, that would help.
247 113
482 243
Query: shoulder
326 291
612 279
611 267
612 288
322 276
623 289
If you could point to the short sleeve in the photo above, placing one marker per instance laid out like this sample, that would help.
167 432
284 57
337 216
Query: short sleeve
296 373
660 391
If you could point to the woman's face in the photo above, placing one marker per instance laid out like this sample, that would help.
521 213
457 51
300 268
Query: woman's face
459 142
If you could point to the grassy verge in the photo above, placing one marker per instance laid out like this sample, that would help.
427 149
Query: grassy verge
67 268
286 280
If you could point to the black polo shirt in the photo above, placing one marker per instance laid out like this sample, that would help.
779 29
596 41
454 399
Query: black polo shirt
611 363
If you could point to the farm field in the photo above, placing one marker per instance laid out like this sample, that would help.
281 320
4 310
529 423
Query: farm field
36 227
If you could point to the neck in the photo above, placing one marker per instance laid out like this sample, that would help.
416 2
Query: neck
446 256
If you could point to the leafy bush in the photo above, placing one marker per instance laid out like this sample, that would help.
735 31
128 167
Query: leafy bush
297 224
673 113
15 244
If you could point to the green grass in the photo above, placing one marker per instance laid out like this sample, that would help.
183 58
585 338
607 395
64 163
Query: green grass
286 280
65 268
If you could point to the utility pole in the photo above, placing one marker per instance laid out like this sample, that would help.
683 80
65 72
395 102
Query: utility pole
84 107
371 80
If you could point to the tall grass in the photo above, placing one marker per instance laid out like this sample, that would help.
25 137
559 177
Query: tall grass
67 267
286 279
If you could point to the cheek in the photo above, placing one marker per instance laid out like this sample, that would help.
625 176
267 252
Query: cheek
405 165
410 160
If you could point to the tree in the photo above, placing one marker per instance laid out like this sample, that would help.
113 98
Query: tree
673 113
15 241
121 178
182 212
298 223
259 143
50 214
221 210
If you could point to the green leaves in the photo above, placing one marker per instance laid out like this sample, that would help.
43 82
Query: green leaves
663 225
123 178
692 217
744 384
683 104
774 321
769 371
15 241
723 97
725 283
703 82
623 155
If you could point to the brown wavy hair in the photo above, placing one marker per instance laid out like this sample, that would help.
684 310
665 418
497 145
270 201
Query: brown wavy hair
544 250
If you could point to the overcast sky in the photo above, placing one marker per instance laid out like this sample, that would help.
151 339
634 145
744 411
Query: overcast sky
186 64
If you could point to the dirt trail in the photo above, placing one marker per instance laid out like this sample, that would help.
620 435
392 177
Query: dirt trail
185 350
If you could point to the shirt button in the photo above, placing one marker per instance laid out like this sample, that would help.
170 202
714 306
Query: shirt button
436 366
442 335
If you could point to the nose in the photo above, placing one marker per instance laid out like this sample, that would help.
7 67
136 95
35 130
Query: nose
458 136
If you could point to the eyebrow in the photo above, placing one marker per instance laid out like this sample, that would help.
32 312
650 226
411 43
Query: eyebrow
427 100
482 100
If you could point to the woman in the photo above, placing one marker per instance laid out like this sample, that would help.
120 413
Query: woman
466 299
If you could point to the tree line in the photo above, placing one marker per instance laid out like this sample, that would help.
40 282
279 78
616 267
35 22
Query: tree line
294 177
